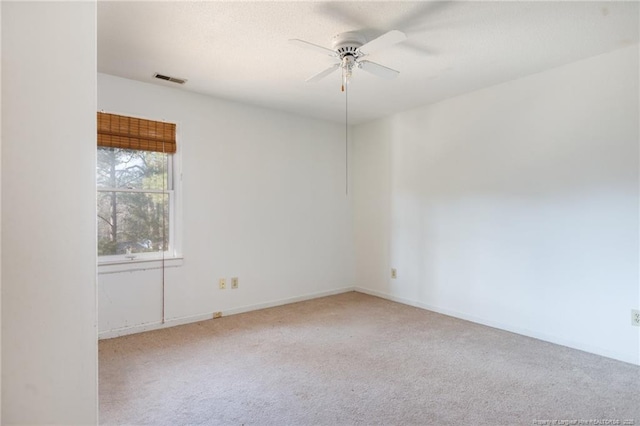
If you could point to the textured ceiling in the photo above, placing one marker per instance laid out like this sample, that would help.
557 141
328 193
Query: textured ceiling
240 50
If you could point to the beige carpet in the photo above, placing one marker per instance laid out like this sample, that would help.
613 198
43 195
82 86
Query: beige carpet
355 359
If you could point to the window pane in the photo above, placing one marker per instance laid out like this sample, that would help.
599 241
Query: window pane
124 168
132 222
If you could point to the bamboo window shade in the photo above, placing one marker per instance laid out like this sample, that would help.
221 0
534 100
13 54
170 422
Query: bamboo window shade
119 131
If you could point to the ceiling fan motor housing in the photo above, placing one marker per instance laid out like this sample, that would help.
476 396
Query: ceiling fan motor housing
347 44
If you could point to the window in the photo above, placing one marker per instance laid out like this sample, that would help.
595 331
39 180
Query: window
135 200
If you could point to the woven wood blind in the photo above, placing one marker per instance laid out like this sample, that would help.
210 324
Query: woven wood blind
119 131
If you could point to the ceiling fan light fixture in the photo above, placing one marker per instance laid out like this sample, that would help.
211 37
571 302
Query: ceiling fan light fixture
348 62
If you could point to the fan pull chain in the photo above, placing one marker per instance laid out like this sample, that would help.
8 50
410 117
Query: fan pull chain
346 136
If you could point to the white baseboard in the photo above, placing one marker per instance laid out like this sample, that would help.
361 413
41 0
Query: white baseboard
117 332
629 358
110 334
281 302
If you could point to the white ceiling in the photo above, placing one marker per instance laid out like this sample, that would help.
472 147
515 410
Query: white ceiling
240 50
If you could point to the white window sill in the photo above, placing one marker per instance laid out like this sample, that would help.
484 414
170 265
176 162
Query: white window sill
140 264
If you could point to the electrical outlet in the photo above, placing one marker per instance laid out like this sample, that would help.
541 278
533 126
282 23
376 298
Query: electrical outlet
223 283
394 273
635 317
217 315
234 282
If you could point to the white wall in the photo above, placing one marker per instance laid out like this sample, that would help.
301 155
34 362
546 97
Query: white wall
0 219
49 351
515 206
263 197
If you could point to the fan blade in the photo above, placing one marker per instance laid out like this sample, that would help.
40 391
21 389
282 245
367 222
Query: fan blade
323 74
312 46
385 40
351 14
407 15
422 14
379 70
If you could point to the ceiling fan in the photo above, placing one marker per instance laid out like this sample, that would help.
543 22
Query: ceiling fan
349 48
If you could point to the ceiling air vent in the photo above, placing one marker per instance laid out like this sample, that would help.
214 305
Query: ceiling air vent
171 79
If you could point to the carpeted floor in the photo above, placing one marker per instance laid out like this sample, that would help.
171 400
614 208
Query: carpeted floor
356 359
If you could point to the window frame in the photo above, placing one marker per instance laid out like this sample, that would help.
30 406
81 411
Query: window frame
151 260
